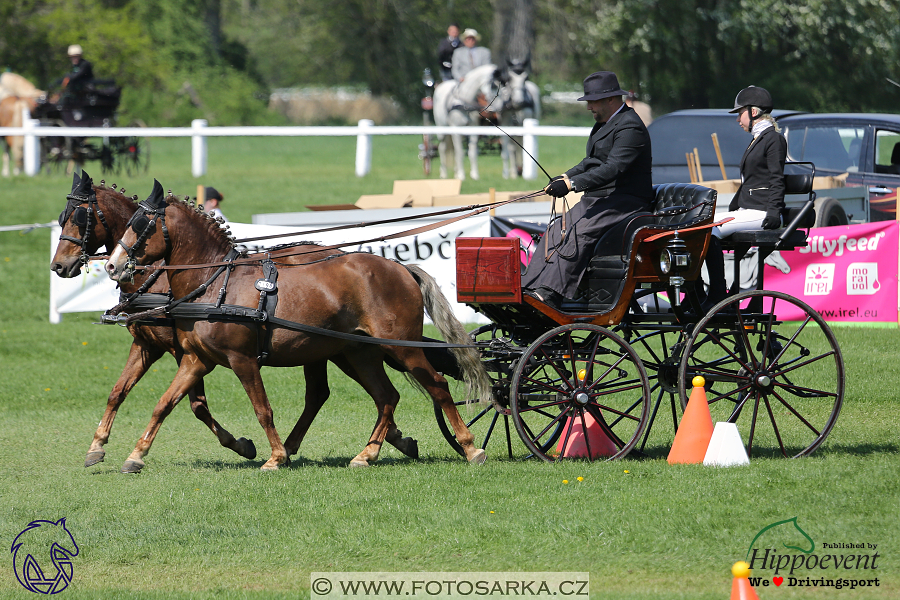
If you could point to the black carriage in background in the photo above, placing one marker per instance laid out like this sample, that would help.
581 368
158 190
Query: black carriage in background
94 105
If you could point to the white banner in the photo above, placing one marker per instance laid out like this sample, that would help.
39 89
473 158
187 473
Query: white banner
434 250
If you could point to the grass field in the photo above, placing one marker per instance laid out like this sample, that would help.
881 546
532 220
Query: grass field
200 522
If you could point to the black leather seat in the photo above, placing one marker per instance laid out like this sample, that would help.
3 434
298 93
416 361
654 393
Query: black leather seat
676 206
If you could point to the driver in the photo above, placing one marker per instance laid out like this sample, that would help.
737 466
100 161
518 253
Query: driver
616 180
82 72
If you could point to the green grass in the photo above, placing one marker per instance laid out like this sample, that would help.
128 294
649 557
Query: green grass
200 522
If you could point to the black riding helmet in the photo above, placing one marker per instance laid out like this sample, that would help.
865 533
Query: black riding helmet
753 96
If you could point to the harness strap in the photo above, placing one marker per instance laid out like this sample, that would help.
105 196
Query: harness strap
268 300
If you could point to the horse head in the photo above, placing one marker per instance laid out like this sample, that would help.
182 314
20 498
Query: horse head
146 239
94 217
515 92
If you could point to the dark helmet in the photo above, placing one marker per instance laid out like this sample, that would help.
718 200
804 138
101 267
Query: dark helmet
753 96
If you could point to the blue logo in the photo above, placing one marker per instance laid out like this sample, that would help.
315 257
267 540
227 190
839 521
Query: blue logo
42 556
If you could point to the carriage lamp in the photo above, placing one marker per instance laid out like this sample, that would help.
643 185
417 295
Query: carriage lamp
675 258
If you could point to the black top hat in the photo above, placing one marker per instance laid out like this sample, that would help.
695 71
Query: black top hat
753 96
602 84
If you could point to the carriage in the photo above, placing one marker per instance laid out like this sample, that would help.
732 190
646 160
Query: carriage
597 371
94 105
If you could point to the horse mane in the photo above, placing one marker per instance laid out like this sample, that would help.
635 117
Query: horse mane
219 234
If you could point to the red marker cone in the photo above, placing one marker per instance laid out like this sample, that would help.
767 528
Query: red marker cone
576 447
740 585
695 429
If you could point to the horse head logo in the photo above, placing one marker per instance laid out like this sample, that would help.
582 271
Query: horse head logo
42 556
788 531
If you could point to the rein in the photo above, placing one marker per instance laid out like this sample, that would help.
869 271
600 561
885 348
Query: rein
478 209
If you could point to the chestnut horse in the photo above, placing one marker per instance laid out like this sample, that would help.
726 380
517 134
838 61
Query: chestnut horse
95 217
16 94
352 293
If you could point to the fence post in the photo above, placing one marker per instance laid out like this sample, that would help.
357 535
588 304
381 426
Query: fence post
31 145
529 141
364 148
198 148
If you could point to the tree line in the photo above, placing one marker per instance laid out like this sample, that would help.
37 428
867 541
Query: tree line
177 60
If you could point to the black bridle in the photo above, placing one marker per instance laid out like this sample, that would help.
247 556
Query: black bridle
83 218
142 222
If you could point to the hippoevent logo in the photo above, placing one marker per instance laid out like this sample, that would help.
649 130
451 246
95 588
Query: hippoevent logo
794 559
42 556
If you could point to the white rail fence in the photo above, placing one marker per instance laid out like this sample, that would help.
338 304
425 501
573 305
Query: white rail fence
199 132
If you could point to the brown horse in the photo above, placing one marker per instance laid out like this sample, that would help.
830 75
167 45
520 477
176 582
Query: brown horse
355 293
95 217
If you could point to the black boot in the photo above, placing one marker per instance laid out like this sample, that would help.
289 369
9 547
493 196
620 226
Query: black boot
715 267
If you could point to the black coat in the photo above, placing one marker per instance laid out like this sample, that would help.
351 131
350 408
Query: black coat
762 171
617 183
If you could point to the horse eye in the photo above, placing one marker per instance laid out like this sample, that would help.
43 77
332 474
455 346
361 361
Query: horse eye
62 219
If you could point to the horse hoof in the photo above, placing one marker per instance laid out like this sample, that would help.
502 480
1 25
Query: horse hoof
270 465
411 448
132 466
246 448
478 458
358 463
94 457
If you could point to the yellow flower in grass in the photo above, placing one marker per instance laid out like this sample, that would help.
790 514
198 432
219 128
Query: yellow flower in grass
565 481
580 478
84 343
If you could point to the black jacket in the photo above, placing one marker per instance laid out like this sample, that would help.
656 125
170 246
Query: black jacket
618 160
762 169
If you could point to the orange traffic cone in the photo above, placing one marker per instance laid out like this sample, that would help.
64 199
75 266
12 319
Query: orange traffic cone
576 447
695 429
740 585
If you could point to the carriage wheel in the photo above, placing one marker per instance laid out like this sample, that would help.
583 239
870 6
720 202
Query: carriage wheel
576 378
136 153
489 423
55 151
660 352
774 368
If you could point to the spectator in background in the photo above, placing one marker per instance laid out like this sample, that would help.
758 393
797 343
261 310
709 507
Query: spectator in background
211 203
470 55
445 51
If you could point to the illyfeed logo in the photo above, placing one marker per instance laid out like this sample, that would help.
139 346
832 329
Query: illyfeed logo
793 559
42 556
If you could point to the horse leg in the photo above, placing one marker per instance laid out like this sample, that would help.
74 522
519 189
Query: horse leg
443 149
190 371
366 366
6 152
505 149
407 445
436 386
317 392
460 156
140 357
247 370
243 446
473 156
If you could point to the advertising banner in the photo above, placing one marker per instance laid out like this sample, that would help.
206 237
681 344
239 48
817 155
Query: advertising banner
847 273
434 251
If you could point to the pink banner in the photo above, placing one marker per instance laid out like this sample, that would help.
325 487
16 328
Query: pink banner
846 273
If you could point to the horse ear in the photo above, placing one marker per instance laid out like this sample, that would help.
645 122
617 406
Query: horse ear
76 182
85 185
157 197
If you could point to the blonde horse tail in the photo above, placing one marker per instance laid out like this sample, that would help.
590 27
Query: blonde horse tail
478 382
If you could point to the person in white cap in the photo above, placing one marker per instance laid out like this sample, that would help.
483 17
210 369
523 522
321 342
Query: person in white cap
81 73
470 55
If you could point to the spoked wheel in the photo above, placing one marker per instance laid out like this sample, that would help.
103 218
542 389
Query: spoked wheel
489 423
135 153
773 367
660 353
578 378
